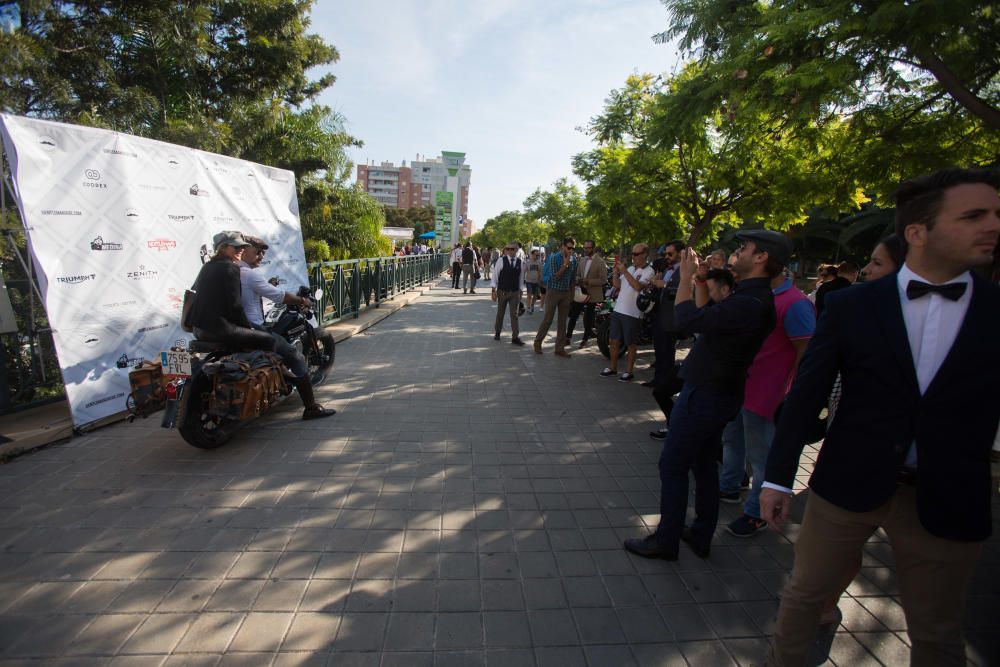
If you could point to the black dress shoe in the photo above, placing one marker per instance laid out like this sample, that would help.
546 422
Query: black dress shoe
650 547
496 336
517 341
688 538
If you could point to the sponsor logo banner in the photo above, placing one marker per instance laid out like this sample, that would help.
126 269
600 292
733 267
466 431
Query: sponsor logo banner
114 276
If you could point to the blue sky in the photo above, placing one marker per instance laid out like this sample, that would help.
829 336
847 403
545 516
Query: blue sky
506 81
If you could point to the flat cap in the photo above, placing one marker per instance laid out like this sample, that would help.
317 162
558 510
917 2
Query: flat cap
234 239
775 244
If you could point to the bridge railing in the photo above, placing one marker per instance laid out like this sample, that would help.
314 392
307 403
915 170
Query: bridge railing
352 285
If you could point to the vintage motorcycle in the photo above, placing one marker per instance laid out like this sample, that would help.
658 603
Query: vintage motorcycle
216 390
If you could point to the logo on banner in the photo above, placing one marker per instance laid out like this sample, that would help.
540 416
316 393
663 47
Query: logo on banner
162 245
223 219
91 339
218 168
49 211
126 361
100 244
112 397
174 298
119 304
173 162
197 191
181 344
153 327
47 143
115 151
180 218
133 215
142 274
277 280
76 280
93 179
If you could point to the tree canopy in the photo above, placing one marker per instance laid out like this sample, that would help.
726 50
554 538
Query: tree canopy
226 76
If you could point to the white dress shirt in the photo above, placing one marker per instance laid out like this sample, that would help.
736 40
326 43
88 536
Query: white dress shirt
456 256
932 323
498 266
255 286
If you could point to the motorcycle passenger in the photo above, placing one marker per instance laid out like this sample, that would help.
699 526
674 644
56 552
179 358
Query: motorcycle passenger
255 286
217 312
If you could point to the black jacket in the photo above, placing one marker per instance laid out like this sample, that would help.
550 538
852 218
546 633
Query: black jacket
218 298
828 287
665 307
862 335
731 332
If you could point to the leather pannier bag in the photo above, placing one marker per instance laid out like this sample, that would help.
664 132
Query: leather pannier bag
147 389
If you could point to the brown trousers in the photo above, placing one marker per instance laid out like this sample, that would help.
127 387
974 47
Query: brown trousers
555 300
507 300
933 575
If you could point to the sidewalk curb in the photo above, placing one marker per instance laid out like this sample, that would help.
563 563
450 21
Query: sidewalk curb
50 424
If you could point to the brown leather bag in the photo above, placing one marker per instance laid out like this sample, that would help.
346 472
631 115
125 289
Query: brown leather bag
147 389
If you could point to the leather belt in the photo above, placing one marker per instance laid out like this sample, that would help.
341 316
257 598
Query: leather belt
908 477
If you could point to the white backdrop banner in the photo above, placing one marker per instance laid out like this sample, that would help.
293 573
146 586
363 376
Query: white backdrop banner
120 226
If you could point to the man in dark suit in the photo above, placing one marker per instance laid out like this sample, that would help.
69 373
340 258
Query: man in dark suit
909 449
664 380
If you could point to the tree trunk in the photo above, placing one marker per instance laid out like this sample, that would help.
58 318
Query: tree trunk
700 229
956 88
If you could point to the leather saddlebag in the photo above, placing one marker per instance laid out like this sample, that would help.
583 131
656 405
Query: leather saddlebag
148 394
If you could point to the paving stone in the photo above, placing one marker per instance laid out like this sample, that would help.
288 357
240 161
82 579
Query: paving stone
311 631
210 633
553 627
158 634
261 631
459 630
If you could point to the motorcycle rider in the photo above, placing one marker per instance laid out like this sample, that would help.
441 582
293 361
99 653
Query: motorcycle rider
217 312
254 286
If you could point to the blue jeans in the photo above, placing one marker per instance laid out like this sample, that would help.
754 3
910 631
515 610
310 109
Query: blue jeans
734 456
696 423
758 433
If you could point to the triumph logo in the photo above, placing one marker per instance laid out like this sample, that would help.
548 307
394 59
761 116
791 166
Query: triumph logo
100 244
76 280
162 245
47 143
180 218
142 274
198 192
126 361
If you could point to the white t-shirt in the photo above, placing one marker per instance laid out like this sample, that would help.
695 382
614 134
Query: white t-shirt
625 303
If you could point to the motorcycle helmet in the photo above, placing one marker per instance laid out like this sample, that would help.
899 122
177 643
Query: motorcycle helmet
645 300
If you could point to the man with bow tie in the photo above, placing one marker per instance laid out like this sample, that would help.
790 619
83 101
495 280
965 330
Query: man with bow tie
909 451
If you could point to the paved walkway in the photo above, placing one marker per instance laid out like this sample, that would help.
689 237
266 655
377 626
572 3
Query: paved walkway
465 507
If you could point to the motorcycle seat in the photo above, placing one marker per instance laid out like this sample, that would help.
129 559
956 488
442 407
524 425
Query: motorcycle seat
205 346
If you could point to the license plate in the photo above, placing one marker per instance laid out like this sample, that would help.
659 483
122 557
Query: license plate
176 363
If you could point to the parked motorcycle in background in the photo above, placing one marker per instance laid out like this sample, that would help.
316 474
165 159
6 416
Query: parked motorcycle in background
213 390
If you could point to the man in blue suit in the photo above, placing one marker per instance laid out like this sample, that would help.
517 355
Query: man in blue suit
909 449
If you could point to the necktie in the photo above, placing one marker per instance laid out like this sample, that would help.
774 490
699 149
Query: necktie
915 289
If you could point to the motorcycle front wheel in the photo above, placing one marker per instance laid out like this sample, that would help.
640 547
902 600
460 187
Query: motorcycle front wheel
322 361
197 427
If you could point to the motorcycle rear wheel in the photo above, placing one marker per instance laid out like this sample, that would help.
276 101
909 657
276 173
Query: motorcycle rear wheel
195 425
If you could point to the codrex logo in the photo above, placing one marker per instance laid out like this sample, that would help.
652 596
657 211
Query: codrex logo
93 179
92 174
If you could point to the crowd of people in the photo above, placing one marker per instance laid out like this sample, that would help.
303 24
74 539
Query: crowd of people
894 366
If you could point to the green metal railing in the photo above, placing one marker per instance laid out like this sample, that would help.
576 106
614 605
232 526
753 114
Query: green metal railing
351 285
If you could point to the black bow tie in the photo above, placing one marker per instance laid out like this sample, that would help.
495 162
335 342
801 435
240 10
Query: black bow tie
951 291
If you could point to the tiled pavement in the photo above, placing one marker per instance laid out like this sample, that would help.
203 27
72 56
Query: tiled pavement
465 507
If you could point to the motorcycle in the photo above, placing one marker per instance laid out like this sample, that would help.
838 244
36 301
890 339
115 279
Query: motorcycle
602 321
194 406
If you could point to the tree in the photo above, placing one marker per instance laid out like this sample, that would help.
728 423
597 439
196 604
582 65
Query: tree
564 209
348 219
511 226
226 76
799 58
699 173
420 218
